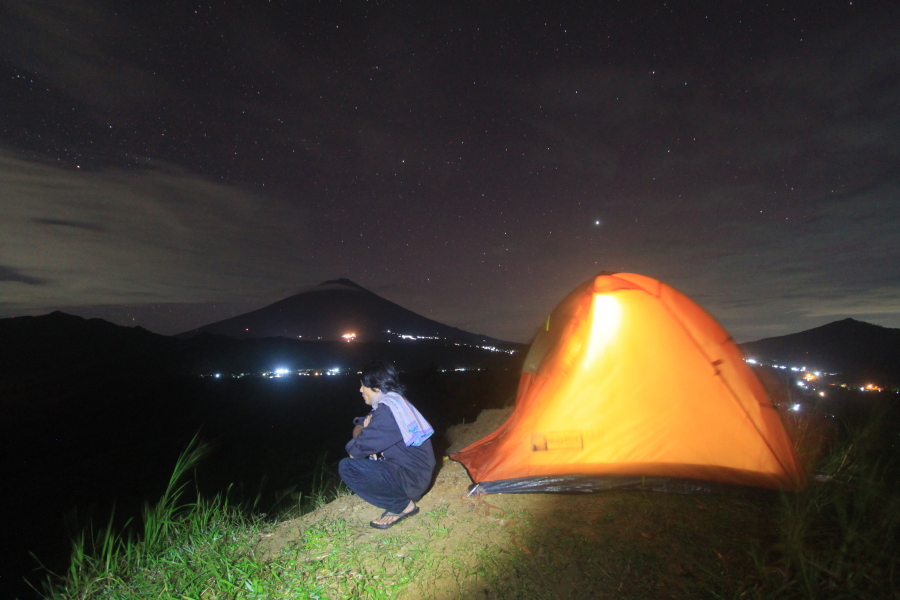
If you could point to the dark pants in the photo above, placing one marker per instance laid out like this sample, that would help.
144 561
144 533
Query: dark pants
375 482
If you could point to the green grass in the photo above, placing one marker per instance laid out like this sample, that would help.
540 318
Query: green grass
837 539
205 550
841 538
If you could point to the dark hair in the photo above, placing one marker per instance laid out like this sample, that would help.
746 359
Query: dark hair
382 375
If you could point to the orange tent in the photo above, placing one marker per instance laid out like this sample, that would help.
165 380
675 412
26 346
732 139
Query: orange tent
629 383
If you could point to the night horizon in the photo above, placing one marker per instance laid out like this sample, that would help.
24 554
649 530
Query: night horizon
173 166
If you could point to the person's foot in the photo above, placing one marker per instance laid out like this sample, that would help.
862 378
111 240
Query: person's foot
388 519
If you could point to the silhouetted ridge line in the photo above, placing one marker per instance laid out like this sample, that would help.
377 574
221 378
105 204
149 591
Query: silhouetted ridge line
346 282
858 349
340 310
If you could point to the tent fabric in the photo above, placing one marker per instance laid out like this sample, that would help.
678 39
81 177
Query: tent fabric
628 378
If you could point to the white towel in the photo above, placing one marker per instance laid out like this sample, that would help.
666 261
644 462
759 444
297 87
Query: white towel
412 424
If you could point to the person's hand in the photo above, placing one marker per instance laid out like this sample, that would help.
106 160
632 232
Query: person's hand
368 420
357 429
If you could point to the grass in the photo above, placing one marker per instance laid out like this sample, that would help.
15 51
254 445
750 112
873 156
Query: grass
837 539
841 538
626 544
205 550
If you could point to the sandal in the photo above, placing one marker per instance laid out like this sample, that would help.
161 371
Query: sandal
388 513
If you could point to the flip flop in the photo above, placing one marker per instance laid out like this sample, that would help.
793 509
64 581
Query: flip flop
388 513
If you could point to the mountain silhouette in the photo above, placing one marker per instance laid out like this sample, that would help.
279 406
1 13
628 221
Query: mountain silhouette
57 347
60 343
853 348
332 309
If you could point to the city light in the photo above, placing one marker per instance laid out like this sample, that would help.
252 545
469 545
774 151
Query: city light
407 336
349 336
812 381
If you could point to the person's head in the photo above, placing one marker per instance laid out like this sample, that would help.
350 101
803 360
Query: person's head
381 376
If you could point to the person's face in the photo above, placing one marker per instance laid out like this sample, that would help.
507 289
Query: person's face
368 394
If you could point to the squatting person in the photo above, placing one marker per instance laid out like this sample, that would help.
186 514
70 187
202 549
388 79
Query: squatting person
391 458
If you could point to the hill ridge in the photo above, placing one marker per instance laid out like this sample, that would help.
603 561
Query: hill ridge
335 310
849 346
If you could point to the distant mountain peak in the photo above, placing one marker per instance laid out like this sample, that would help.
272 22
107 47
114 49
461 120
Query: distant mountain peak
850 320
849 346
849 324
334 310
344 282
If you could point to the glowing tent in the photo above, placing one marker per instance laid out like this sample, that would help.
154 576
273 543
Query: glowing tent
629 383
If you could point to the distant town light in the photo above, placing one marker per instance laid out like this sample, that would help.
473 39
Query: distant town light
349 336
752 361
795 408
822 394
218 375
282 371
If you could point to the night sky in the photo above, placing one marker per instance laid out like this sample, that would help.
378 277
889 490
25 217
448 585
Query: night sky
171 164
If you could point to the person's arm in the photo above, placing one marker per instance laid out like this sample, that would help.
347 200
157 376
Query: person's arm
360 423
381 433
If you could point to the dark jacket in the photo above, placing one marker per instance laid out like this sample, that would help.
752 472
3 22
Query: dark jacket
414 465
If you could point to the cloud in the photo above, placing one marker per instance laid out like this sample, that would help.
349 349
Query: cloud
69 43
839 261
151 236
75 224
15 276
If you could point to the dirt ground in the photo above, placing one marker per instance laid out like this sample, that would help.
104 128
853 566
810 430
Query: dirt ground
623 544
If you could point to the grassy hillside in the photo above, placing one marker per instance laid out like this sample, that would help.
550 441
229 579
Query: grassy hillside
837 539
